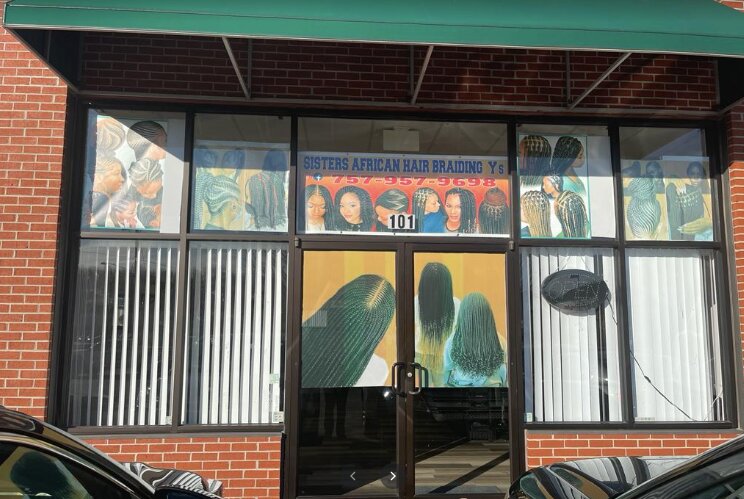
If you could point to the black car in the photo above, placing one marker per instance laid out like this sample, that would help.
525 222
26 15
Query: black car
717 473
39 460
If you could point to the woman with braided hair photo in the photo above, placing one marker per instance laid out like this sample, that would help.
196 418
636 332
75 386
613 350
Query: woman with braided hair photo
428 211
568 154
267 193
355 210
221 197
339 339
493 213
473 356
459 205
535 206
435 309
534 160
571 212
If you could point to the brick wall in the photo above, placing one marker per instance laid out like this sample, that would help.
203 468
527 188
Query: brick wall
550 447
32 114
380 73
248 466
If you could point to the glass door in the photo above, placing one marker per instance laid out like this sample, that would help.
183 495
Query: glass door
348 442
403 384
459 406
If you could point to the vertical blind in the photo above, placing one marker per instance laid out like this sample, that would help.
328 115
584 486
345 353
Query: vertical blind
122 351
676 351
572 370
237 299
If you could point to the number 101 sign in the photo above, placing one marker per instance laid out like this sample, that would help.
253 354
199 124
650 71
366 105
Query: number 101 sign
401 221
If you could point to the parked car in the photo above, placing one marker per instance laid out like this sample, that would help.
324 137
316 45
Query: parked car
39 460
716 473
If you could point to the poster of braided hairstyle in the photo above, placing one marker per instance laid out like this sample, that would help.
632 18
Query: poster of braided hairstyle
127 160
535 155
493 213
339 338
355 210
261 176
268 193
563 181
436 315
476 350
667 200
535 206
571 212
459 206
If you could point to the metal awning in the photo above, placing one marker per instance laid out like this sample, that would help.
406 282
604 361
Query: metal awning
701 27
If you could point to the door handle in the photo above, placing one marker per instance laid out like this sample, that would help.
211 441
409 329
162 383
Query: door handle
396 379
417 387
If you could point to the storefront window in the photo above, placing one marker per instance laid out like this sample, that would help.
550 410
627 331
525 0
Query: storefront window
121 366
667 185
408 178
572 367
241 173
234 349
565 182
134 171
676 348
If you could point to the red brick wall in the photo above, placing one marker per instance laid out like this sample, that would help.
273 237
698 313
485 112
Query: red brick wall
380 73
32 114
248 466
550 447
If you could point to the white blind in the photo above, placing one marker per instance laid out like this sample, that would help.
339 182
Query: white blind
572 370
237 299
674 333
122 351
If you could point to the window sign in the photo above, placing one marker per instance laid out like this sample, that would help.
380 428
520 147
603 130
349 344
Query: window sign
668 200
240 186
446 195
135 173
553 186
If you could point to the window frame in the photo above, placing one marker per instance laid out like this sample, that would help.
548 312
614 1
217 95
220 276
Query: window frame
70 235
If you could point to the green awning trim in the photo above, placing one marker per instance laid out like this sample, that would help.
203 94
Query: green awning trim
666 26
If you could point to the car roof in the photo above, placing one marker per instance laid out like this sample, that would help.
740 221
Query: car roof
17 423
724 450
